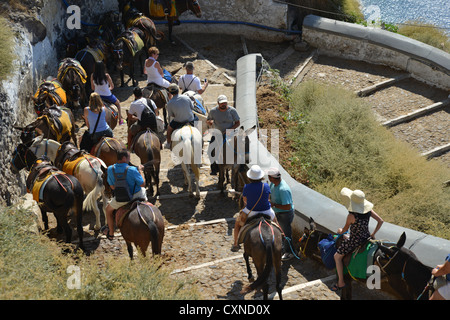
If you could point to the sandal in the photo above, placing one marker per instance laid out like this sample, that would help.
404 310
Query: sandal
336 288
110 237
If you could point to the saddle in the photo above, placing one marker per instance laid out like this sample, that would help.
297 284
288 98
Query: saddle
356 262
133 40
152 87
58 121
125 210
53 87
251 223
38 178
147 139
66 65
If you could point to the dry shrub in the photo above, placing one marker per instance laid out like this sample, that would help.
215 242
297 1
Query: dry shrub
340 144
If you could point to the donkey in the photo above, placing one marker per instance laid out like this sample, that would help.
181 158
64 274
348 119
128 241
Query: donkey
141 223
54 190
263 243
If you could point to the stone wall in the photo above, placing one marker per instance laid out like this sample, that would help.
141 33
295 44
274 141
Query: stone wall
38 45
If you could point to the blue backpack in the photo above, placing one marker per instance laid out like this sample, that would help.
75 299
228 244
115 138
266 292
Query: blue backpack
327 249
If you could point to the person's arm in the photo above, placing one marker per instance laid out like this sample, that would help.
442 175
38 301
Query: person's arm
92 82
379 223
85 116
348 223
110 82
158 67
441 269
141 171
236 124
204 86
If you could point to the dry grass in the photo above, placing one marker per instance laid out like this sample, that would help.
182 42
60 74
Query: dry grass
6 46
33 267
340 144
426 33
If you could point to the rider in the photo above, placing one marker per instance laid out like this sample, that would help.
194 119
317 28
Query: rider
144 111
443 293
153 69
189 82
359 213
256 199
223 117
180 109
102 83
136 183
95 118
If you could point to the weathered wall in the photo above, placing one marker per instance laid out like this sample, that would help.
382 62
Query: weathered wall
39 46
262 12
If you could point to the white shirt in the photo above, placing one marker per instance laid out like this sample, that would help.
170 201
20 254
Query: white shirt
189 82
138 106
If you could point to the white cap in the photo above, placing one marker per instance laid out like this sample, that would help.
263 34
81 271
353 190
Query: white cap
222 98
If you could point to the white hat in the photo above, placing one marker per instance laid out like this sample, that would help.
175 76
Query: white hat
255 172
355 201
222 98
274 172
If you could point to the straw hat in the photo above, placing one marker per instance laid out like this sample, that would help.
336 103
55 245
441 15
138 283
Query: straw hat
355 201
255 172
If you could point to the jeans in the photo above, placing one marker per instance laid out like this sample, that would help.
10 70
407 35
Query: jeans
285 220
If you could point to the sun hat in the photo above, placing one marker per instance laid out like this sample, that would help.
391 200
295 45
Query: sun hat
222 98
355 201
274 172
255 172
173 88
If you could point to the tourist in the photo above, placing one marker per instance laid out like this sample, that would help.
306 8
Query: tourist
190 82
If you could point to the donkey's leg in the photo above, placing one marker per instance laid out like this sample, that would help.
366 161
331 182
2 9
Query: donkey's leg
249 269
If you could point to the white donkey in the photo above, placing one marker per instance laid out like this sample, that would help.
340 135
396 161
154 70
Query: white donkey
88 172
187 144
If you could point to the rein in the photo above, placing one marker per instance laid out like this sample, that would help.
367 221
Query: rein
260 232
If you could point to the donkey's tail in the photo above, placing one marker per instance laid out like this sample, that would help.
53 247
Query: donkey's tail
154 232
262 279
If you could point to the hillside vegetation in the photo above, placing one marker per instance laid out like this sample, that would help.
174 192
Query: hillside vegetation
339 143
34 267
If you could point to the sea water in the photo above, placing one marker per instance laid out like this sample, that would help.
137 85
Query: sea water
436 12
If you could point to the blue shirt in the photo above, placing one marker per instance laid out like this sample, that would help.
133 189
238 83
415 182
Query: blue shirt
281 194
134 178
252 191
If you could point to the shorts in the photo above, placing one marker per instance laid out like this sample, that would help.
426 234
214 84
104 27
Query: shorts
140 194
444 291
111 99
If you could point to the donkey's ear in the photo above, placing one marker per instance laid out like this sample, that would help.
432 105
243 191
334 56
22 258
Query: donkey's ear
312 224
401 241
33 98
249 131
18 128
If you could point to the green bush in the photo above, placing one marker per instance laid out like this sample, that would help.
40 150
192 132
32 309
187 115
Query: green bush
34 267
340 144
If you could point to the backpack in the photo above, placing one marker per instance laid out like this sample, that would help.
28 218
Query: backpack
327 249
122 191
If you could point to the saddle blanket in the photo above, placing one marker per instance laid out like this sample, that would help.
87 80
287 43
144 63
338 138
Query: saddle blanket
157 10
60 126
360 260
135 46
39 186
71 167
57 93
68 64
95 52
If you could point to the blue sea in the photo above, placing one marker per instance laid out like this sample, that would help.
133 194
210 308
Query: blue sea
436 12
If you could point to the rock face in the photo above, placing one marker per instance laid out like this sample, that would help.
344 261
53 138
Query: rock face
38 28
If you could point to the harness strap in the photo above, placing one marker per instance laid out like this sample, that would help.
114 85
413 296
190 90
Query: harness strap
260 233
